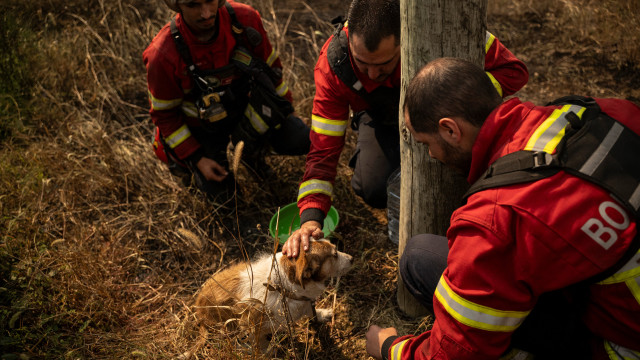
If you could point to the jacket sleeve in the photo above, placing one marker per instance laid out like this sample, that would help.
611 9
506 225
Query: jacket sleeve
508 73
329 120
268 53
165 98
476 305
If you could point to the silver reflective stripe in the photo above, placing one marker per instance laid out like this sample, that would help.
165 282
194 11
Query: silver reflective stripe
315 186
475 315
189 109
594 161
282 89
328 127
548 134
357 85
255 119
178 136
396 350
158 104
630 270
272 57
617 352
488 41
634 200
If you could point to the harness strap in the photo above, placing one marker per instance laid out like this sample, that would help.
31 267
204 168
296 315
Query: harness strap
596 148
184 52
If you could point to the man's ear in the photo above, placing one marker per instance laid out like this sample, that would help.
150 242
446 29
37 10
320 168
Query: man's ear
450 130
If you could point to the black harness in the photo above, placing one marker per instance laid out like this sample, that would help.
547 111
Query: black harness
383 101
245 69
595 147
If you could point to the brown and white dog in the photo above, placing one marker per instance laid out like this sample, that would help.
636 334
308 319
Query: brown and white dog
262 294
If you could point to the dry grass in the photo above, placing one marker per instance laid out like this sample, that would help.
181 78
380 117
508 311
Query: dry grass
102 252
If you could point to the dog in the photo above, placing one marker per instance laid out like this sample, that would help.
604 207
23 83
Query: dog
263 295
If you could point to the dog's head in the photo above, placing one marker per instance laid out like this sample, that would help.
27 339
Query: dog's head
321 262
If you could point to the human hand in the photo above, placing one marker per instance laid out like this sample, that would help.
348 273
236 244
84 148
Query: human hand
376 337
300 238
211 170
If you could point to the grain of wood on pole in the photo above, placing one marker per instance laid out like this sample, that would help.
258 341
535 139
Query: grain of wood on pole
430 192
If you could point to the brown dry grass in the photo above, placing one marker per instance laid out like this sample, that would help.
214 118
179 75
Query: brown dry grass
102 252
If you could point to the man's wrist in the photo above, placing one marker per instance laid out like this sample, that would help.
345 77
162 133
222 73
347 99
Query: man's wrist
386 345
311 214
192 160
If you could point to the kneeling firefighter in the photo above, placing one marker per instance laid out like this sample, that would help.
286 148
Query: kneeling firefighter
214 77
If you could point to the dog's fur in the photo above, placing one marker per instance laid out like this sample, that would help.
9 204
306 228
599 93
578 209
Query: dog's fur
240 294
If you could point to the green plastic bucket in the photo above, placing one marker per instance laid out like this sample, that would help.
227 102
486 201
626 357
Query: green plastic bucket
290 221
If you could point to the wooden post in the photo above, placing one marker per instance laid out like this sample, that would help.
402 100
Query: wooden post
429 192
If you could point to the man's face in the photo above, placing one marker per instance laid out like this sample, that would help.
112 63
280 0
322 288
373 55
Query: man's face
377 65
200 15
452 156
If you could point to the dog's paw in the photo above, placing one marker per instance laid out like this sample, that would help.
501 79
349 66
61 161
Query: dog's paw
324 315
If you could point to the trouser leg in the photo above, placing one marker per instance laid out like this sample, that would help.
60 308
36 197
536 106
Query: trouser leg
377 155
421 265
553 330
292 138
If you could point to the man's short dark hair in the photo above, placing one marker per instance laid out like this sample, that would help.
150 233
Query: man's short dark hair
449 87
374 20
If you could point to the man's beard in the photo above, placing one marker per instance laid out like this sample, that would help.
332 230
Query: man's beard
455 158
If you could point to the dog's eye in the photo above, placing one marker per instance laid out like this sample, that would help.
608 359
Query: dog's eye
335 253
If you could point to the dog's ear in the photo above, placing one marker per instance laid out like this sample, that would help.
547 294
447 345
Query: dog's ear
306 266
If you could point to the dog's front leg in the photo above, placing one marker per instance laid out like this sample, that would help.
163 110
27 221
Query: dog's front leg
323 315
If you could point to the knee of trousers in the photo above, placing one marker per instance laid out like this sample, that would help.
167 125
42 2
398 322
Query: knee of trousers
425 255
372 188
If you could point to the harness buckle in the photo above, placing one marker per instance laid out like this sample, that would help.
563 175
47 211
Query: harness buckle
541 158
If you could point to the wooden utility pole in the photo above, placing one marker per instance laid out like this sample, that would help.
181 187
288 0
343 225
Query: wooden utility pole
430 192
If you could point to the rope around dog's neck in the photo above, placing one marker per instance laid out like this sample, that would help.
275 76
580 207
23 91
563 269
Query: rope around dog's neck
288 294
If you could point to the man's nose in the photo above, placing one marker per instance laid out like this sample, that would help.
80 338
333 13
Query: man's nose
206 12
373 72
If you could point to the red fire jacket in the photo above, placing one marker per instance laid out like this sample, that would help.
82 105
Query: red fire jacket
511 244
171 94
332 102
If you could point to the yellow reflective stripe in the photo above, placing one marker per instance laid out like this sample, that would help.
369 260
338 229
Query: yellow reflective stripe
242 57
255 119
550 132
630 270
157 104
282 89
488 41
396 350
327 126
178 136
315 186
628 274
475 315
495 83
617 352
189 109
272 57
634 287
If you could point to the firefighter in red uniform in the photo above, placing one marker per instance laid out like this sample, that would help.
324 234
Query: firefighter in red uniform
518 278
359 70
212 74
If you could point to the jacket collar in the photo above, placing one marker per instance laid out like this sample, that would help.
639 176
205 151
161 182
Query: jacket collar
494 138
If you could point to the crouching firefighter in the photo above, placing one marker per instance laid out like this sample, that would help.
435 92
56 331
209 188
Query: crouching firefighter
542 260
213 77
